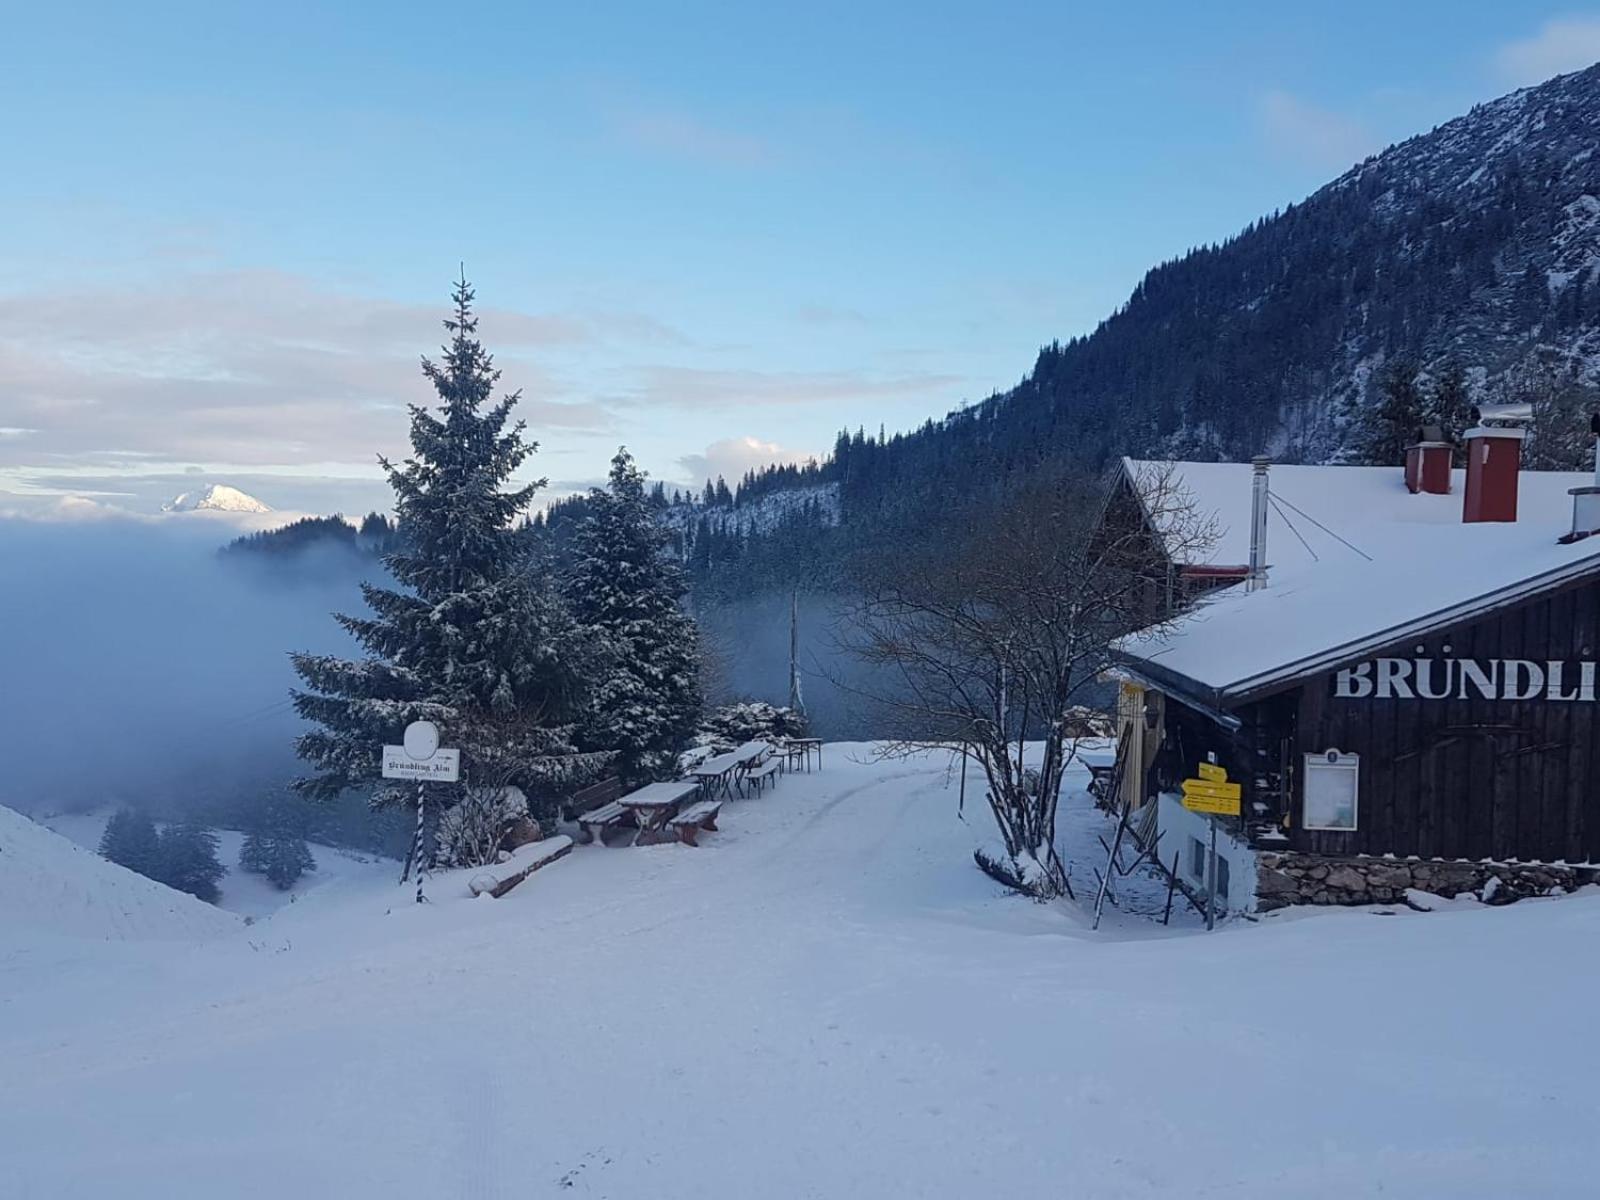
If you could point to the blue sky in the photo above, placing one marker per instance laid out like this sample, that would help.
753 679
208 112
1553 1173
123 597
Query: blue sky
716 233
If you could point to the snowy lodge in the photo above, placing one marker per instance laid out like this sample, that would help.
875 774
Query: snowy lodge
1395 688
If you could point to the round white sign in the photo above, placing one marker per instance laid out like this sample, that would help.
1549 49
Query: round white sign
422 740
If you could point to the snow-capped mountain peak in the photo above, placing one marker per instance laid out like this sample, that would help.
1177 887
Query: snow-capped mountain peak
219 497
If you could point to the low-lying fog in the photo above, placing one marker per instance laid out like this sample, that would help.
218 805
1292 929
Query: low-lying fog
138 665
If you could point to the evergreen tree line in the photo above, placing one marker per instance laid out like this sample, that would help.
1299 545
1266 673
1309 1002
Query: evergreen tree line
183 854
1409 403
545 671
374 537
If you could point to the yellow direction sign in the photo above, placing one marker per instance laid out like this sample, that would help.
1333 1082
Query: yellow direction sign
1212 773
1201 795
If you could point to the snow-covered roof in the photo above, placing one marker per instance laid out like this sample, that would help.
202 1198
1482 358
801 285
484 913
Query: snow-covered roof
1369 507
1423 568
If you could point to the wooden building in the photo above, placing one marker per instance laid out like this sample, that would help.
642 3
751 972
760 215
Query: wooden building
1404 696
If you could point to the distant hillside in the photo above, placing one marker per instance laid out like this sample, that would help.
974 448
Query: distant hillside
1473 246
293 543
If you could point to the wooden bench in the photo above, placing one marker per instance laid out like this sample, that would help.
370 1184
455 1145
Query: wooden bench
524 861
766 773
593 825
702 814
590 797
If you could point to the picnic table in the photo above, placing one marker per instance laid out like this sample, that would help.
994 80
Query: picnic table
717 774
802 748
654 803
751 751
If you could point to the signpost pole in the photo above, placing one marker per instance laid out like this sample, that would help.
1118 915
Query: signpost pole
1210 884
416 849
961 806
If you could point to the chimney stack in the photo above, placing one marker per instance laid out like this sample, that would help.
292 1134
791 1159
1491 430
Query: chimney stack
1494 461
1428 462
1258 524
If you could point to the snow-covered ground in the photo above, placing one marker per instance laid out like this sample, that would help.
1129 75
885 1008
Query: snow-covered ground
245 893
825 999
51 889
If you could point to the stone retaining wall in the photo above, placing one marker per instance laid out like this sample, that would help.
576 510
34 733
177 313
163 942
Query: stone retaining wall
1285 878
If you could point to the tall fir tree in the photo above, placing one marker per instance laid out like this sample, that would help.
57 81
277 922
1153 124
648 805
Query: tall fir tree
477 641
1394 421
189 861
130 840
1450 402
625 585
277 847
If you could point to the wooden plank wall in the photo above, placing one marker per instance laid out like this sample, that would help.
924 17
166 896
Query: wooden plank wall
1471 778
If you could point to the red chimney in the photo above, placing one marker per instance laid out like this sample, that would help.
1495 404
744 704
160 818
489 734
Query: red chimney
1494 455
1428 465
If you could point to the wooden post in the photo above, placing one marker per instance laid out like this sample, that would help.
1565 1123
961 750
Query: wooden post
1172 882
1211 880
961 805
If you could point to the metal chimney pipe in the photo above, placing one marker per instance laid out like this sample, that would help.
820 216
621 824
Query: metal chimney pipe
1258 524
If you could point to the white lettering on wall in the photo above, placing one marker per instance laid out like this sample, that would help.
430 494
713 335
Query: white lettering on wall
1466 679
1553 683
1522 680
1392 676
1353 683
1426 673
1487 682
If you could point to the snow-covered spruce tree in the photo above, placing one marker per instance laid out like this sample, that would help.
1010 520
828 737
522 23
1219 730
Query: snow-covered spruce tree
474 639
624 585
277 849
189 861
130 840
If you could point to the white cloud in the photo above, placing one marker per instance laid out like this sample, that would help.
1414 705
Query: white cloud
699 388
1315 137
1561 44
256 368
78 509
732 457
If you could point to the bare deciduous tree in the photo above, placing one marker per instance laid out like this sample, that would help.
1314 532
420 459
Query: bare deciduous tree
987 635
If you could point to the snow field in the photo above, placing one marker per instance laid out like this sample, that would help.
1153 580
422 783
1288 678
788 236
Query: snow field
825 1000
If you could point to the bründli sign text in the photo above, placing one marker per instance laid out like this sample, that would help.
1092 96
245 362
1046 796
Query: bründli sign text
1466 679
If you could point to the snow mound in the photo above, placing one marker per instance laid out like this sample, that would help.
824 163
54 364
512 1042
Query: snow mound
48 885
219 497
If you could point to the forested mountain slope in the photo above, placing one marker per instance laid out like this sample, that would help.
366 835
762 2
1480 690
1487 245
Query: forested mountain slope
1473 246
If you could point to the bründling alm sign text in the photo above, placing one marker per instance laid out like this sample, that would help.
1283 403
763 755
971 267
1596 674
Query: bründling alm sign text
1465 679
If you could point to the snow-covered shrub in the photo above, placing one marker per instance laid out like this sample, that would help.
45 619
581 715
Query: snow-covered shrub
470 832
1081 721
732 724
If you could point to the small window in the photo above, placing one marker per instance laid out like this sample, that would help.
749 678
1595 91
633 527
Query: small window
1197 858
1222 878
1332 789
